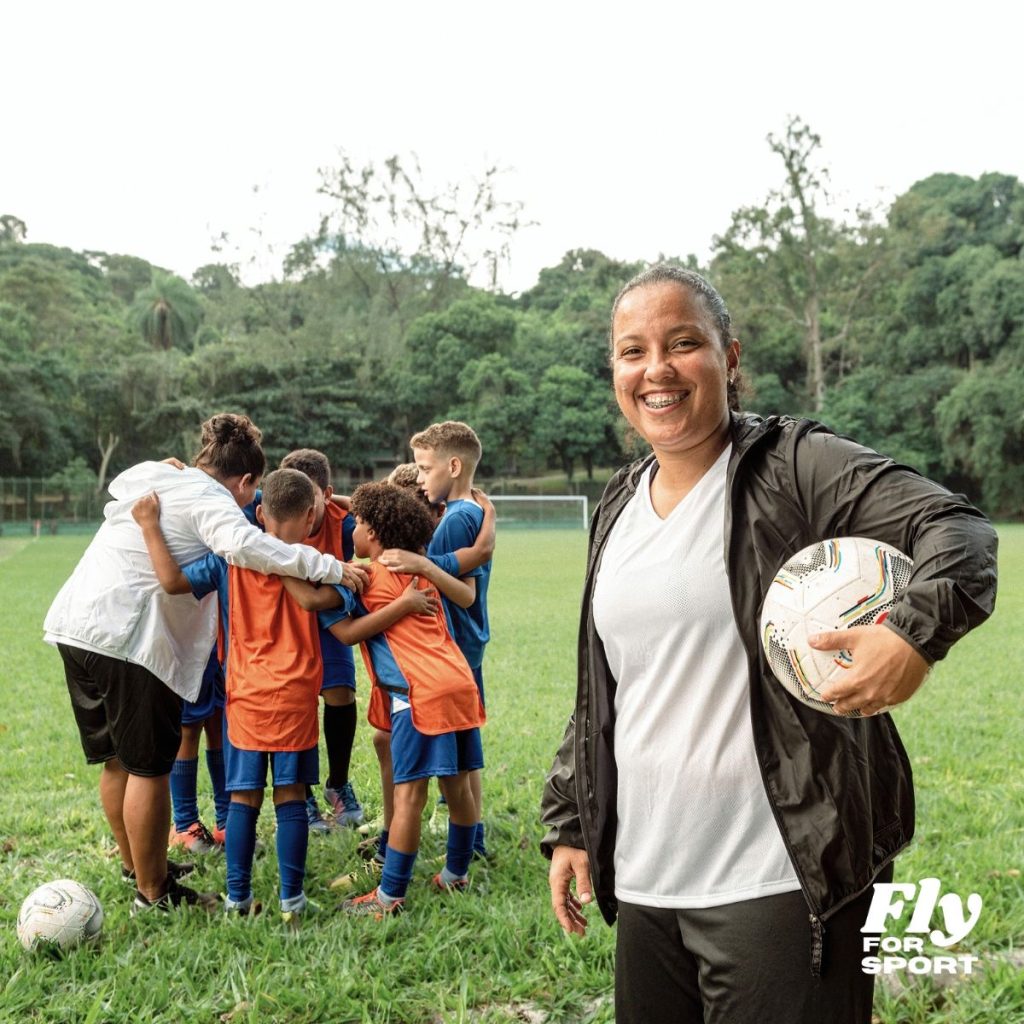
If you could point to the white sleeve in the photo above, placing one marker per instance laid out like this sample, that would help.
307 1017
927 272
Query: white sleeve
229 534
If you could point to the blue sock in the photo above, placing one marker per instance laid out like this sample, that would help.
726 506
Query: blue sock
183 793
478 842
239 846
292 841
397 873
382 843
460 848
221 798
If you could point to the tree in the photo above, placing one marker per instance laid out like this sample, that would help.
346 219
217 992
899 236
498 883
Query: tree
500 403
573 417
894 413
12 230
789 263
981 423
74 482
568 311
168 313
422 241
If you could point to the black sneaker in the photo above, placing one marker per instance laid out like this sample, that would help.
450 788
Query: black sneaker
175 870
175 896
369 849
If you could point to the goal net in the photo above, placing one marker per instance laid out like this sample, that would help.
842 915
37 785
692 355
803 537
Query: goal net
547 511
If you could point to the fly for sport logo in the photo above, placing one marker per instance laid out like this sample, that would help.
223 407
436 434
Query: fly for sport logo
887 954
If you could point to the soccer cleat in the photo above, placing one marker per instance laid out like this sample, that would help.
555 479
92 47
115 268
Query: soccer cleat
242 908
175 896
297 908
363 874
369 849
174 869
345 805
317 823
370 905
197 839
219 835
438 884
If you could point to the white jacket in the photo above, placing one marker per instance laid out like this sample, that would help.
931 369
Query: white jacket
113 603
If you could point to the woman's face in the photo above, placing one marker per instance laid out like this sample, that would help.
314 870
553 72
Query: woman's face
669 368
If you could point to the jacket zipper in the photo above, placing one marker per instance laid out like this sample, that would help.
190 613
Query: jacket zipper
817 927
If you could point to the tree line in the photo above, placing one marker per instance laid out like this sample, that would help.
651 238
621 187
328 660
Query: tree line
903 328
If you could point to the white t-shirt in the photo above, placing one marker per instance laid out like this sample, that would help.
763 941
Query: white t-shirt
695 828
113 603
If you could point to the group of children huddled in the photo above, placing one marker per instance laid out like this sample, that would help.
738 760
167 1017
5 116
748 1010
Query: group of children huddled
284 642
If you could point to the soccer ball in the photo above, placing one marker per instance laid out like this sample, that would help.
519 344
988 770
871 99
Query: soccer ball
61 913
834 584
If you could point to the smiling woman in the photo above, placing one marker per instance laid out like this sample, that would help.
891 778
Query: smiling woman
727 826
673 361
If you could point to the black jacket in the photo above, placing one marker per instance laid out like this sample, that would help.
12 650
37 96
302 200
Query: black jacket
840 788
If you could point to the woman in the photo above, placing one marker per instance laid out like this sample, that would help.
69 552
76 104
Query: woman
132 652
731 829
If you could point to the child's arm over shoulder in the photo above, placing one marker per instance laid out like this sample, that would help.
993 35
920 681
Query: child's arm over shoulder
355 629
310 597
146 512
482 549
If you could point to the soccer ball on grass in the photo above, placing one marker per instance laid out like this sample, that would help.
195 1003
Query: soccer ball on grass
59 914
831 585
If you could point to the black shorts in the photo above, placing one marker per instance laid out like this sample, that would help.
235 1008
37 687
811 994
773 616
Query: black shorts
122 711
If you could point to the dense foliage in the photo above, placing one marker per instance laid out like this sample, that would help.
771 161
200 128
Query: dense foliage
906 331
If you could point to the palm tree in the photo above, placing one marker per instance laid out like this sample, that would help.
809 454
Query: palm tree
168 313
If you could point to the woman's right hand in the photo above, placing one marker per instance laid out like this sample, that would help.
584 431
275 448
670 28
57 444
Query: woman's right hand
146 511
568 863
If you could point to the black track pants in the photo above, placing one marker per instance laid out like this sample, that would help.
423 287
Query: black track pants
743 963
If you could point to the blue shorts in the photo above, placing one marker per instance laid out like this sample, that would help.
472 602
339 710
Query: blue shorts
247 769
210 699
469 750
333 681
338 661
417 756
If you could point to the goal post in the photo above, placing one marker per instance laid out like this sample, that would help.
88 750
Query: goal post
542 511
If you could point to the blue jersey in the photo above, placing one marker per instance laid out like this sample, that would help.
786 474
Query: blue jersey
459 528
209 575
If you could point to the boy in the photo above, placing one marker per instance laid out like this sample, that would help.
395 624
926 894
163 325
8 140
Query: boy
273 682
424 693
204 714
332 534
446 456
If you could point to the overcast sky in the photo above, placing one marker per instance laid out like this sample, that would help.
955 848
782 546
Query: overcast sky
144 129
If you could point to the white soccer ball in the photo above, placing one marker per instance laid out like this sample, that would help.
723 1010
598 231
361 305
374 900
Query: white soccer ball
834 584
62 913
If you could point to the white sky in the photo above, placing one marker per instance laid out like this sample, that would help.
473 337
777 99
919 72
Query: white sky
143 128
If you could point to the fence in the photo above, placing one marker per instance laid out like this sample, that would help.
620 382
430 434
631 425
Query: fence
33 505
39 506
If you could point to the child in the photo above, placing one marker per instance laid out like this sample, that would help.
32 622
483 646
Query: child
273 680
332 534
465 560
446 456
204 714
424 693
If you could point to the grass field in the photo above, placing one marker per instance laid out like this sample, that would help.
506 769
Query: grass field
497 954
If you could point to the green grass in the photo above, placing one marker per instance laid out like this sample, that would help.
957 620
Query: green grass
485 957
